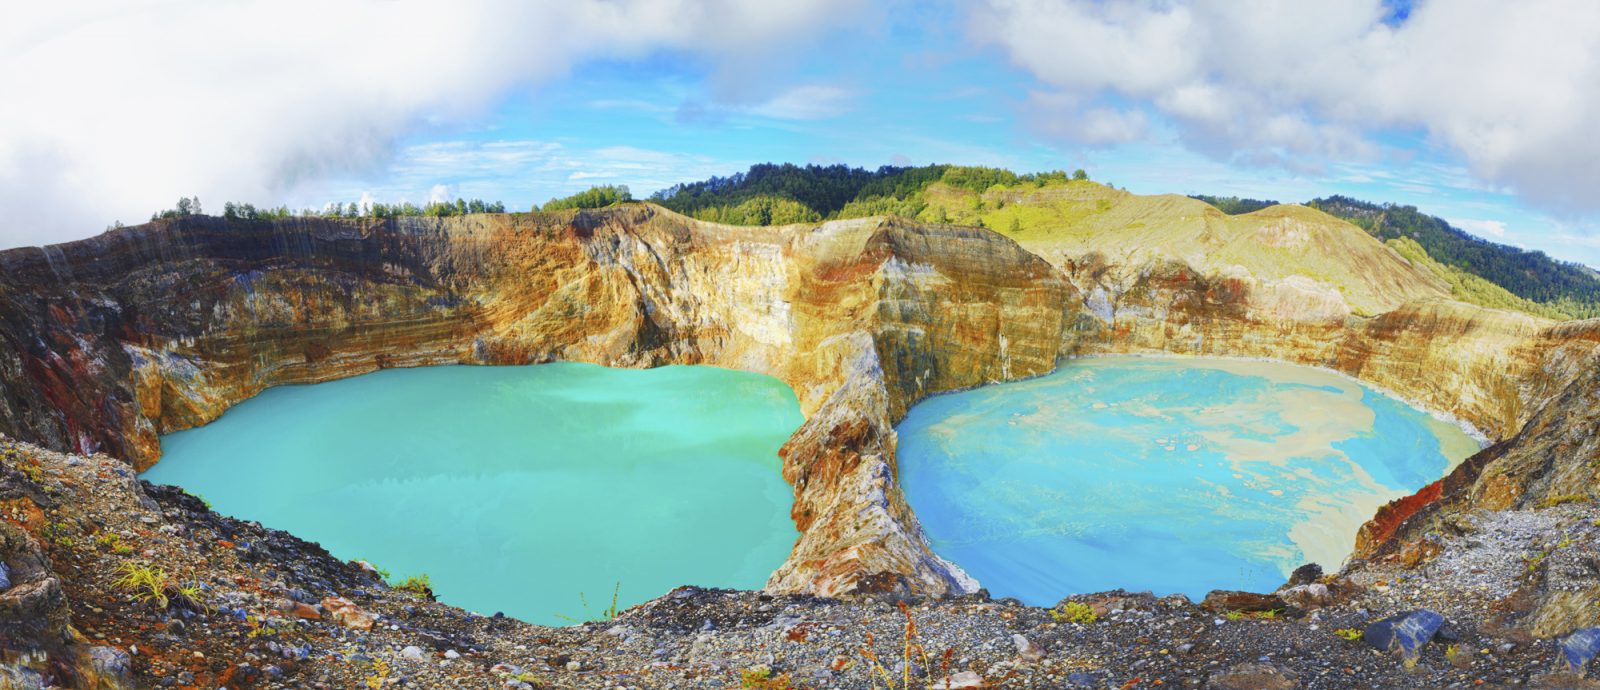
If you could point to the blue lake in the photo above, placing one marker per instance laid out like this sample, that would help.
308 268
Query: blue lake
1172 475
527 490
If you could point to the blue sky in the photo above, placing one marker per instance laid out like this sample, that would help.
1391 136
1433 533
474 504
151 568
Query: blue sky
1380 101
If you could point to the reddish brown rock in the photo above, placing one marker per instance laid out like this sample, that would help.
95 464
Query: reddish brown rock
346 613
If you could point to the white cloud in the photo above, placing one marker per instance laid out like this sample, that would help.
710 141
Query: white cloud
1511 88
517 172
806 102
114 108
1481 227
1062 116
441 193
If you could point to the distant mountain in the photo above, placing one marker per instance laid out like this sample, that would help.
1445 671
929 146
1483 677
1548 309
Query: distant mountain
1029 206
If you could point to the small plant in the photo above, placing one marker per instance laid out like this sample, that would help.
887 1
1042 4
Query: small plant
911 649
113 543
1451 651
373 567
1074 612
1554 501
1536 560
1269 614
259 628
1566 540
1350 634
143 582
380 674
609 613
1233 615
201 499
419 585
191 595
761 678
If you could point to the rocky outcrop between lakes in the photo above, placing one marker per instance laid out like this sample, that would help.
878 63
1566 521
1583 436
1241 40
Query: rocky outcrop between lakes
107 343
164 592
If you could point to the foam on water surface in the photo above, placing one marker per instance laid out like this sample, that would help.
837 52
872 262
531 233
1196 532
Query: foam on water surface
1173 475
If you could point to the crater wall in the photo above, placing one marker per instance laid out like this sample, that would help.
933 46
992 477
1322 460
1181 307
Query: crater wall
108 342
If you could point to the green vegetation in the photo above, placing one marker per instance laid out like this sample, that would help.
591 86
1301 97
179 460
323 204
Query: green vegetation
593 197
770 194
419 585
1554 501
187 206
761 678
1470 288
113 543
608 613
1478 271
201 499
1560 289
1350 634
1074 612
383 573
143 582
1233 205
232 210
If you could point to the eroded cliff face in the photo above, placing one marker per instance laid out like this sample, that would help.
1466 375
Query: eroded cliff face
107 343
114 340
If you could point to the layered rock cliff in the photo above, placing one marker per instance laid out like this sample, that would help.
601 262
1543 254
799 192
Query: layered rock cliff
114 340
108 342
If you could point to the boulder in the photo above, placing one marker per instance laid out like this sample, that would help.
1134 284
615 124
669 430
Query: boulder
1579 648
1027 650
1220 600
346 613
1305 575
1404 632
110 662
1307 596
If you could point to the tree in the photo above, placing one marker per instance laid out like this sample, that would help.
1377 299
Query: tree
1080 174
594 197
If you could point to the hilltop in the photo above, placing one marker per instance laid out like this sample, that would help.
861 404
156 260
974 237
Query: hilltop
1061 211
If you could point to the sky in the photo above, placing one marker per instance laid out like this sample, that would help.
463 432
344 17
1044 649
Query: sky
1480 112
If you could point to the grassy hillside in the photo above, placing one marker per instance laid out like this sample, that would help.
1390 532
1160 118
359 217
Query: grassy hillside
1074 218
1060 212
1559 288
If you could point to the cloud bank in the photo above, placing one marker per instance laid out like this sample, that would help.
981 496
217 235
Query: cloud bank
114 108
1512 88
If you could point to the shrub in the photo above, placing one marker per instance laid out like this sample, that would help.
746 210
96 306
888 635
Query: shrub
1350 634
1074 612
419 585
761 678
143 582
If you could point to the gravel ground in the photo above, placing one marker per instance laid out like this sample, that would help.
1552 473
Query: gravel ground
255 607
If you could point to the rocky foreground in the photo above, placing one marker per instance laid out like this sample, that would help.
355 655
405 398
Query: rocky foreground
165 593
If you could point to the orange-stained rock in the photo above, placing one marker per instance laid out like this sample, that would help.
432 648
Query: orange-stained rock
346 613
862 318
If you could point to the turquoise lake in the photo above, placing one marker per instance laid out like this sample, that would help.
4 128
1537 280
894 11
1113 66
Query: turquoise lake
516 489
1169 475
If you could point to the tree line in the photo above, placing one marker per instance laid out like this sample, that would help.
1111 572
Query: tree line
773 194
1529 274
